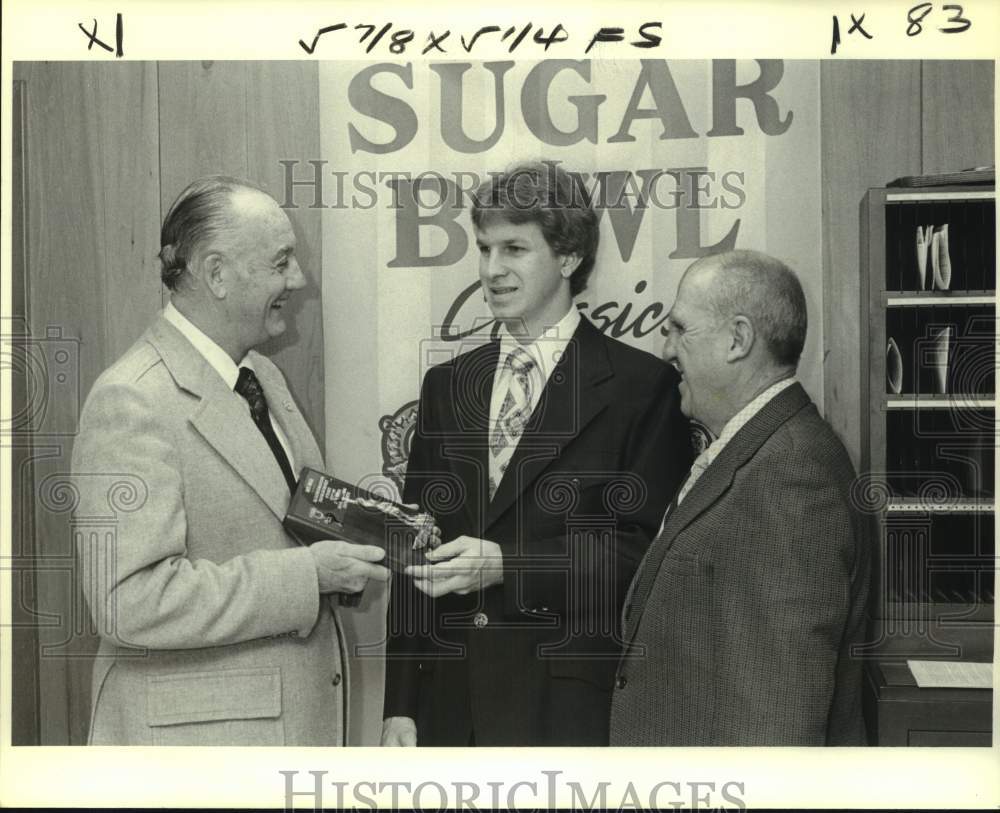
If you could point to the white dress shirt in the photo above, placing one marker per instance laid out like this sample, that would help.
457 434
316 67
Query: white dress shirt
220 361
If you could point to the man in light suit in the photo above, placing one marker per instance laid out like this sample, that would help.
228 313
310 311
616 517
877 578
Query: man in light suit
547 457
741 618
216 628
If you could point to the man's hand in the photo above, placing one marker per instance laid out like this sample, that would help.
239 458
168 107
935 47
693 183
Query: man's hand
399 732
343 567
464 565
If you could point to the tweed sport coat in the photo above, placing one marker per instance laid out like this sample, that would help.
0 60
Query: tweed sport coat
741 619
212 628
531 661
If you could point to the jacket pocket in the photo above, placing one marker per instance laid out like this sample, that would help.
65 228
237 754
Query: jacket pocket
681 564
220 707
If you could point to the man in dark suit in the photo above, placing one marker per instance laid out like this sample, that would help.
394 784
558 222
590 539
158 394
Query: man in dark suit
740 621
547 457
215 625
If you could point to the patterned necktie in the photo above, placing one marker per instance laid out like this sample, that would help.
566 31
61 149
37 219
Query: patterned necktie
249 387
513 416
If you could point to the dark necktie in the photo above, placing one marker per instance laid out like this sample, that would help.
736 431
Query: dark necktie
249 387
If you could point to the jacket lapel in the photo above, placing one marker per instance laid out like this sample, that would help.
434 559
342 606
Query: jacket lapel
470 390
221 417
710 487
571 399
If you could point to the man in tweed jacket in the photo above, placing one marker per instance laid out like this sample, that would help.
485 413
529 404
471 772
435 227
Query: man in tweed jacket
740 621
215 627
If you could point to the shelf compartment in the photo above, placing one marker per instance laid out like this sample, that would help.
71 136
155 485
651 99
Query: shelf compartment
940 455
971 242
972 351
941 559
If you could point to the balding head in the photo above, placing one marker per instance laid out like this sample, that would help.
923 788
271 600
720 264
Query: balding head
229 258
765 291
201 213
736 327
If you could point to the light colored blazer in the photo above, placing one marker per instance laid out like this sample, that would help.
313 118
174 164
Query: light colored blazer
212 628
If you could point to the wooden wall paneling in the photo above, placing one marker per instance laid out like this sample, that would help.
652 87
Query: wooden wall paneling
203 116
67 315
202 124
870 128
283 124
131 183
128 182
957 116
92 215
25 725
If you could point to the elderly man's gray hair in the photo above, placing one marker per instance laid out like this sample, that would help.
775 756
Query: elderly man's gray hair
769 294
201 212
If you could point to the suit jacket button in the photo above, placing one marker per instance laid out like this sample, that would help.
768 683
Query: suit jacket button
621 682
336 679
480 620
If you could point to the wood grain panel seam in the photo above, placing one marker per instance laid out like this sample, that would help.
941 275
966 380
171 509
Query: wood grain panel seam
920 105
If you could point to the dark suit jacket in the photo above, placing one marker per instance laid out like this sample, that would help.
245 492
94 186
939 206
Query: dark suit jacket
531 661
741 620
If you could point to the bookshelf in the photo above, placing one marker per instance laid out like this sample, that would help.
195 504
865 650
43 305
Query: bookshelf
929 339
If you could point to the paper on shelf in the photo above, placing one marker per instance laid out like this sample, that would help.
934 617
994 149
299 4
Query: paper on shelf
924 237
952 674
894 367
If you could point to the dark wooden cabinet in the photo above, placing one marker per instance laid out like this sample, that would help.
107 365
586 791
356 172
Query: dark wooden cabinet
928 328
900 713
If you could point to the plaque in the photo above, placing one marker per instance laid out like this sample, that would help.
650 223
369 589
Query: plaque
324 507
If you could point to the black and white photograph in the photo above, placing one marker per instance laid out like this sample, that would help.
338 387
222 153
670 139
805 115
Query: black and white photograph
520 380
